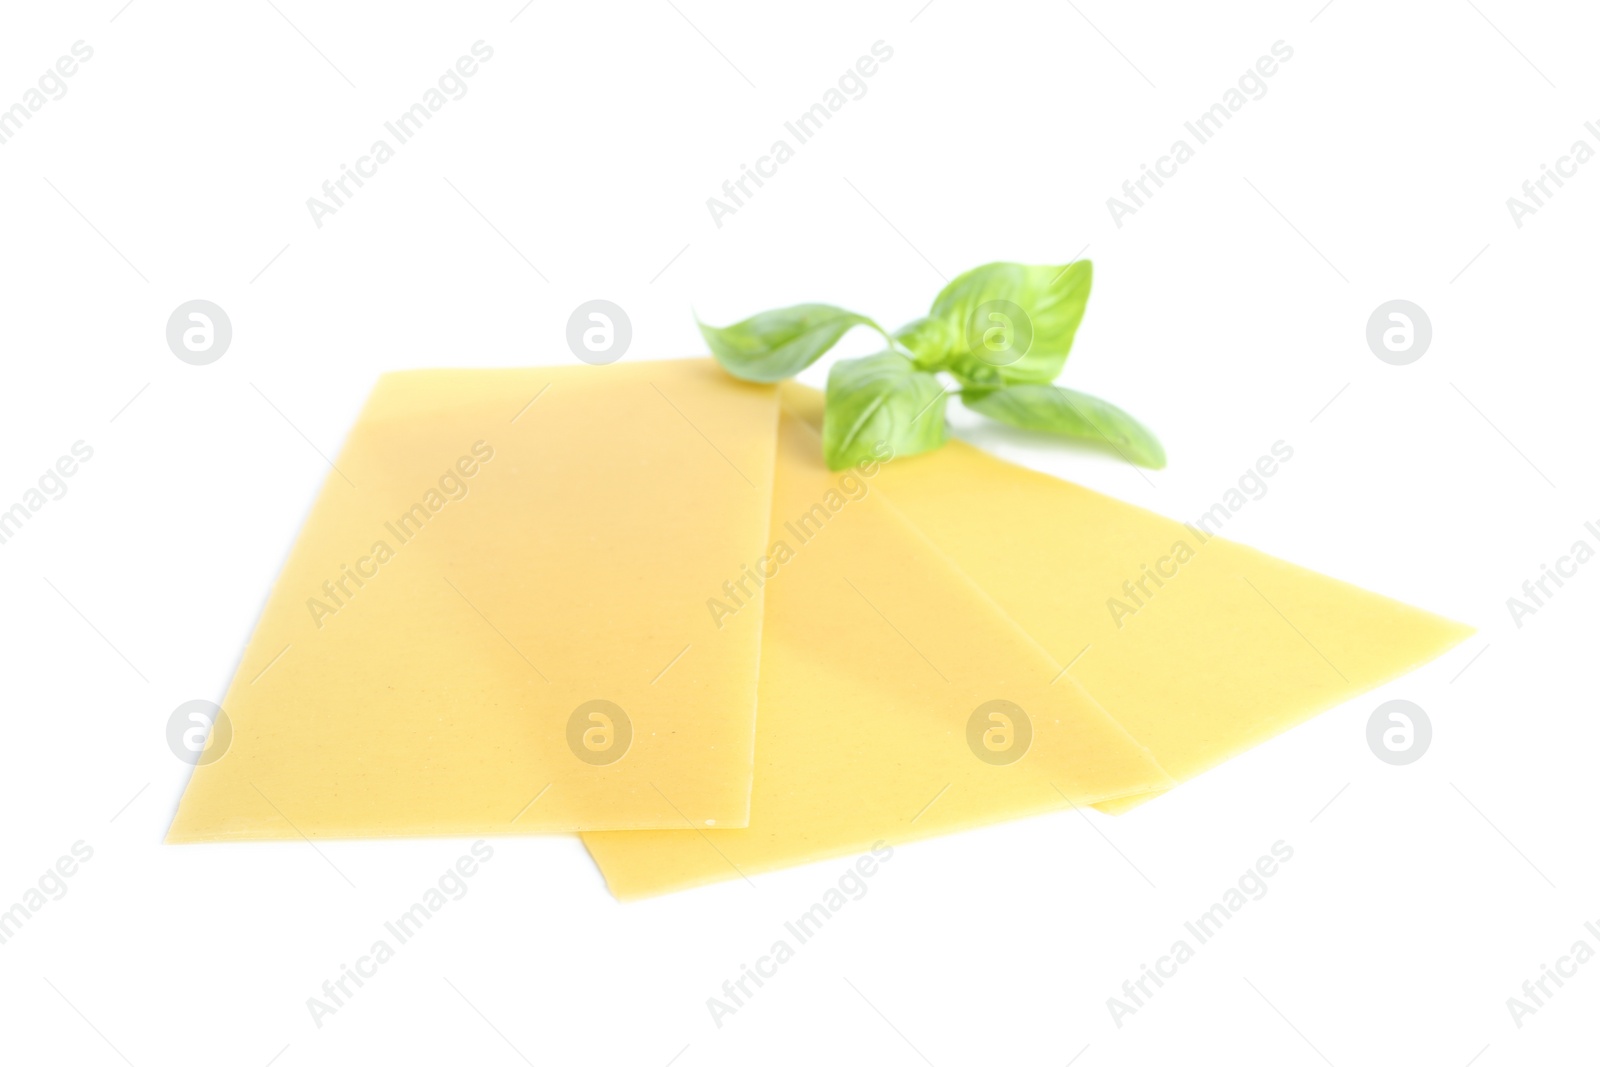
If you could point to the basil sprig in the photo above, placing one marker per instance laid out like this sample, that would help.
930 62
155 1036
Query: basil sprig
1001 331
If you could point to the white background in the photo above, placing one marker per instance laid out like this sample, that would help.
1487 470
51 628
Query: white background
1228 313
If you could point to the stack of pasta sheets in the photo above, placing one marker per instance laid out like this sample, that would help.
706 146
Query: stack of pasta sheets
632 602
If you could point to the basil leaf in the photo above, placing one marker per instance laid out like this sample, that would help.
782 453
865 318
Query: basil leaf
974 373
1014 323
935 344
779 344
879 407
1069 413
932 342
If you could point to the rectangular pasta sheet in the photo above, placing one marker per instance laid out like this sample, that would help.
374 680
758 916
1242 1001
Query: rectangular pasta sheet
896 700
1224 646
497 551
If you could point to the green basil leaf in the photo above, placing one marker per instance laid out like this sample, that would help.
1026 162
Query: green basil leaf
779 344
1069 413
973 373
1012 322
879 407
932 342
